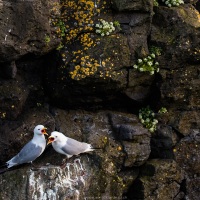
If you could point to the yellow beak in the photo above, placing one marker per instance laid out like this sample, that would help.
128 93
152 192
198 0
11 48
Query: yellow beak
44 131
50 140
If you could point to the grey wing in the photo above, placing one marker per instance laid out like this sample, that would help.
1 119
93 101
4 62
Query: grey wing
28 153
74 147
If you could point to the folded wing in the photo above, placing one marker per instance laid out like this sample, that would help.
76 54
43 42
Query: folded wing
28 154
74 147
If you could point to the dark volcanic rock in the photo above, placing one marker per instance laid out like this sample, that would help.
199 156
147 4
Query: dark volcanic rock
130 5
179 37
15 134
163 142
120 134
24 26
180 88
185 122
187 153
8 70
95 73
139 86
192 185
13 94
134 138
98 75
158 179
97 174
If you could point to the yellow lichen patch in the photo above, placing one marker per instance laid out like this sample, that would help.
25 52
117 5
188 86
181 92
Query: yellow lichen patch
78 16
119 148
75 16
2 115
87 67
174 150
106 69
86 40
73 21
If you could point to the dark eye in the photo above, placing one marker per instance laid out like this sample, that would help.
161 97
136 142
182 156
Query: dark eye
38 129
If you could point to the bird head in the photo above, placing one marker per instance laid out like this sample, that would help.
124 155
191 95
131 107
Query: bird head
40 130
55 136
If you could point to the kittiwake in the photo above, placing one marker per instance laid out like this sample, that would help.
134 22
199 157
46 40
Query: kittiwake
32 149
68 146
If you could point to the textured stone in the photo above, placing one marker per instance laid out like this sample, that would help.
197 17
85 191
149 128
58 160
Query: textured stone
13 94
9 70
180 88
186 122
97 174
130 5
174 35
114 75
15 134
134 138
24 25
163 141
186 153
112 100
139 86
158 179
192 185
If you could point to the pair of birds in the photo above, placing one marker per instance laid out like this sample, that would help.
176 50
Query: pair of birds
34 148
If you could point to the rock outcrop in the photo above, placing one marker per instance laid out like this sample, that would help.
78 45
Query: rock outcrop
89 90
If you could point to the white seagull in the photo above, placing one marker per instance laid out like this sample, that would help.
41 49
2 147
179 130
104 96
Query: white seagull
68 146
32 149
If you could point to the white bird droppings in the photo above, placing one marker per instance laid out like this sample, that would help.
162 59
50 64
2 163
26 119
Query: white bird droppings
47 182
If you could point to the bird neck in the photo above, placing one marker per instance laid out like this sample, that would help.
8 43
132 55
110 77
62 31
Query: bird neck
38 137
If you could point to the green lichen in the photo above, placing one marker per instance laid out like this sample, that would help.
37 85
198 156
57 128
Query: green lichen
155 50
47 39
155 3
162 110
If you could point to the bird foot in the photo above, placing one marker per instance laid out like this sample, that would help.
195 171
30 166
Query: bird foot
34 167
63 165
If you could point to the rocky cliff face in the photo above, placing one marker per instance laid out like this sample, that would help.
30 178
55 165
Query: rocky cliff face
89 90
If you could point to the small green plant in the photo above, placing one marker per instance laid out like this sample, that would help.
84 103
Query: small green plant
117 24
105 28
147 118
147 64
61 31
38 104
162 110
171 3
155 3
156 50
60 46
61 28
47 39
